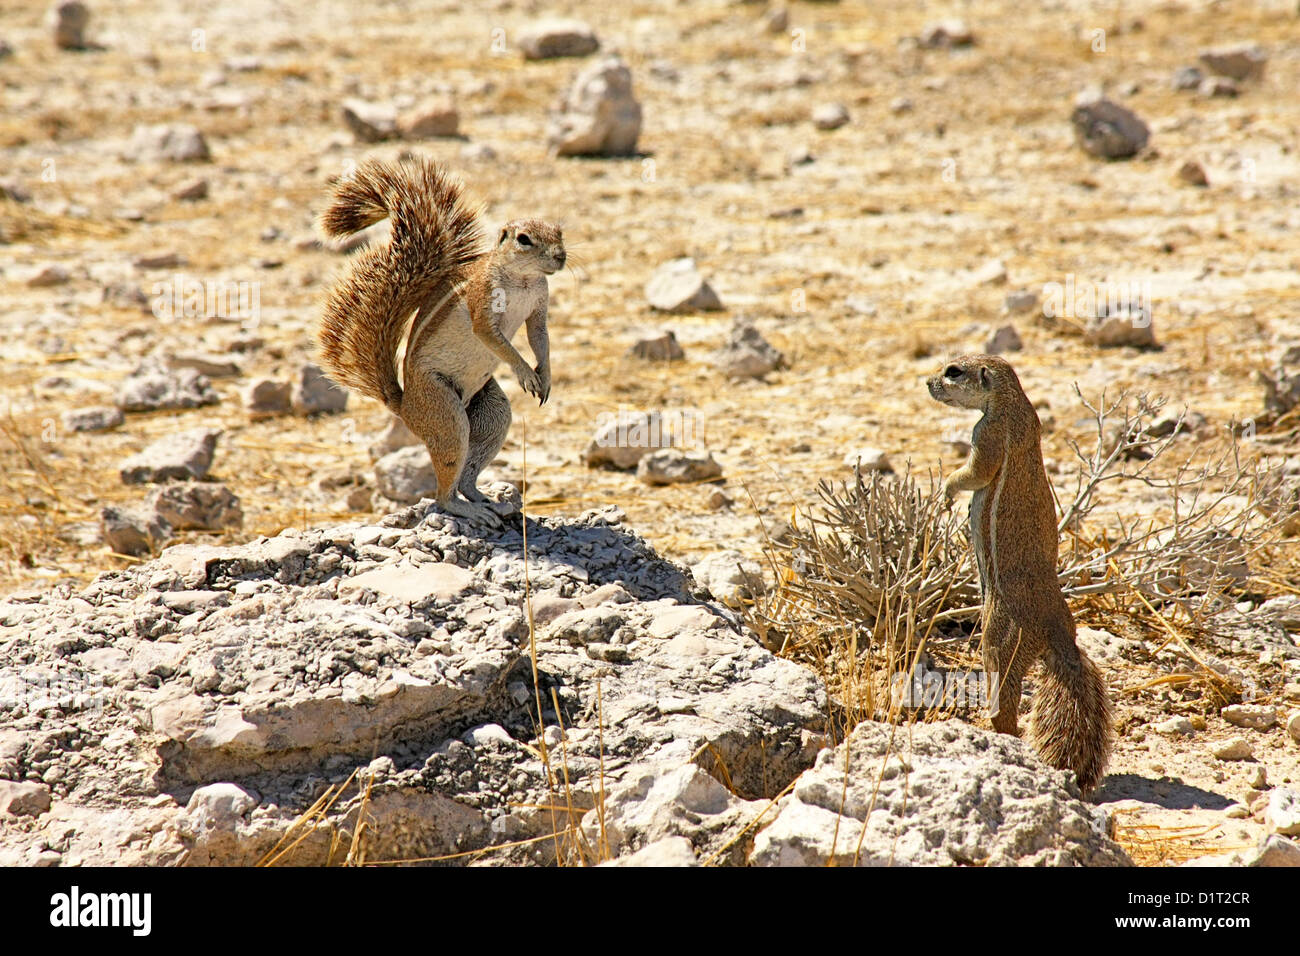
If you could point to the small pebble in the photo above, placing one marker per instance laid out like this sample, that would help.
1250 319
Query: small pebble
1254 716
1175 727
1235 748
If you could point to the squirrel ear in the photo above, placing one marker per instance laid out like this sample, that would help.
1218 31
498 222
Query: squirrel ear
986 378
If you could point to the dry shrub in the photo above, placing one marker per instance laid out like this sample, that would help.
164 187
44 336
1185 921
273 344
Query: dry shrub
1186 555
870 585
879 577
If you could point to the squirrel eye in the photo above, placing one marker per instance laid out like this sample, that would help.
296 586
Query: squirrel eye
952 371
524 240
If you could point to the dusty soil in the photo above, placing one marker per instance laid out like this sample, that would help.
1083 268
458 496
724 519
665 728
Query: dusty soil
859 265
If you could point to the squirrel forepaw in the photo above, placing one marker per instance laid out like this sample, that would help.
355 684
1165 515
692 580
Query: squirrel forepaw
532 383
949 495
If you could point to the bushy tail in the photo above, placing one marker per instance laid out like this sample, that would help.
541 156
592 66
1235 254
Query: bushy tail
435 239
1071 719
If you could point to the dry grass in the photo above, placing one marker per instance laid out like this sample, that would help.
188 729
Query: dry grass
20 223
1151 844
316 817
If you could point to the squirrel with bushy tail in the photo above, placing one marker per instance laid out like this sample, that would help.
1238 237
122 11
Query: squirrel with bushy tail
433 294
1013 532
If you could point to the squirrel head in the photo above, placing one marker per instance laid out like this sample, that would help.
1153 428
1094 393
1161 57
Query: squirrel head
530 247
975 381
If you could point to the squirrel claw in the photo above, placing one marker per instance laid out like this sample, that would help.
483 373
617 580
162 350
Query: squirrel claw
470 510
949 495
535 383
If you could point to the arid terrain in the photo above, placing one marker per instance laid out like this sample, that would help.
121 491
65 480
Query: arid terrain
866 253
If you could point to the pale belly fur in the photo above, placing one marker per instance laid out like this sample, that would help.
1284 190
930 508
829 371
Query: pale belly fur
456 352
977 539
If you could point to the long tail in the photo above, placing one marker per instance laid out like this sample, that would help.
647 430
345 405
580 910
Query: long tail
435 239
1071 719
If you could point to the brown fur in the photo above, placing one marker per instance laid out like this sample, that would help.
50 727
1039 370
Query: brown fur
1013 531
414 292
435 241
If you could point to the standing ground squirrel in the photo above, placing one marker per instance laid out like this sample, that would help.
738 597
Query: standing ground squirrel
1014 536
453 307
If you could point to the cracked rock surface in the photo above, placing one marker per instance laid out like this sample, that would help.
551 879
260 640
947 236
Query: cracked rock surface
190 710
276 668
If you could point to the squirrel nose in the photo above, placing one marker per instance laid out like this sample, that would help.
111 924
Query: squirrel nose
560 256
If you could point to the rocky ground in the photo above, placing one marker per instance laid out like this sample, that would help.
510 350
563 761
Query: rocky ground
367 694
862 194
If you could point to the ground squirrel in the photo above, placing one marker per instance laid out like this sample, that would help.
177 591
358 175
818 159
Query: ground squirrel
1014 536
452 307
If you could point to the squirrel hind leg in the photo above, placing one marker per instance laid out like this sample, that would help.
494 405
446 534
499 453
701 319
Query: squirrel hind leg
1007 658
432 409
489 417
